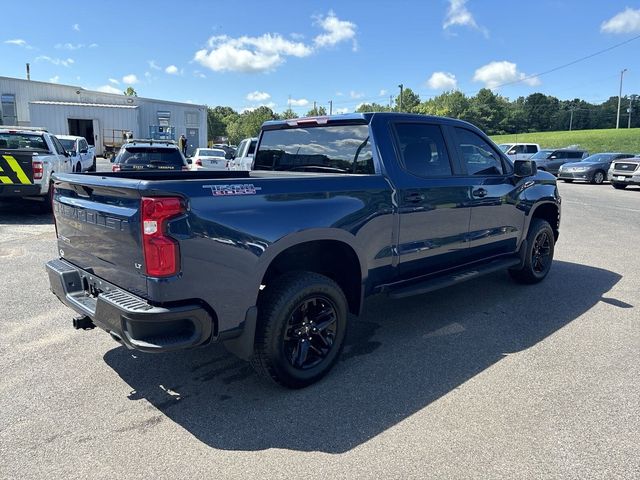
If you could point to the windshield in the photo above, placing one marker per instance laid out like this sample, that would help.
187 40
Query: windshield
325 149
69 145
505 146
25 141
205 152
600 157
542 154
156 157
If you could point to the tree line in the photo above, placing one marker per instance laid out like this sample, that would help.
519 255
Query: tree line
493 113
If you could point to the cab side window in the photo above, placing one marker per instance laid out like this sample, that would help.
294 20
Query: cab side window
478 156
423 150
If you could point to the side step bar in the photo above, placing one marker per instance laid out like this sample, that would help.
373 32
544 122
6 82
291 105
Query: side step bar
453 278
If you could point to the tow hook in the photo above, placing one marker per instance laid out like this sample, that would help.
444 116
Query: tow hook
83 323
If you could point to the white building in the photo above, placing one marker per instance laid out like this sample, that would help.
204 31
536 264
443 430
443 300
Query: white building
102 118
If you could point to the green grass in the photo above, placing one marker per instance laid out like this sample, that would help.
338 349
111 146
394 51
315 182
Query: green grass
595 141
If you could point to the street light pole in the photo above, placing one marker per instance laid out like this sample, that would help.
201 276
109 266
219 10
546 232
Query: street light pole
401 87
620 99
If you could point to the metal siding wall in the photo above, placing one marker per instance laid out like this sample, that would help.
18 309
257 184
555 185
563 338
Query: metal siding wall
54 118
149 116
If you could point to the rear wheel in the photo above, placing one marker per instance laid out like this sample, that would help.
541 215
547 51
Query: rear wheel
92 168
78 168
598 177
539 254
567 180
619 186
301 328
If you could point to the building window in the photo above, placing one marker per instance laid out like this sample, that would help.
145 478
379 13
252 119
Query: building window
164 118
8 108
192 118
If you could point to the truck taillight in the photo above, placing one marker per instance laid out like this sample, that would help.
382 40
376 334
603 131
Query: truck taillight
38 169
161 252
115 168
198 162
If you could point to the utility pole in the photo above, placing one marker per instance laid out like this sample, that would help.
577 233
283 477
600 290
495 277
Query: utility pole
632 98
401 87
390 101
315 112
28 72
330 107
571 119
620 99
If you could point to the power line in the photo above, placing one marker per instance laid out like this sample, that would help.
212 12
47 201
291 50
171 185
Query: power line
560 67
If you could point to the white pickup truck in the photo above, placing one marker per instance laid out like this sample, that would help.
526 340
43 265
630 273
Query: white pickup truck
83 155
28 158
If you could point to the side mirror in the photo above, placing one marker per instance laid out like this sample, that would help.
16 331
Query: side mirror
84 150
552 157
511 152
190 161
524 168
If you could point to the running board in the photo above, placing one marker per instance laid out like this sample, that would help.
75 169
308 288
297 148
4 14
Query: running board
459 276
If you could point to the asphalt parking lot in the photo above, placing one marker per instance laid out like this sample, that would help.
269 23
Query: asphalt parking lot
488 379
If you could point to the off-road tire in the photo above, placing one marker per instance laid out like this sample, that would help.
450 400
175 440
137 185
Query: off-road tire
277 305
529 273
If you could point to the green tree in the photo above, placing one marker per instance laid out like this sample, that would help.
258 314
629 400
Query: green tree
288 114
218 121
410 100
317 111
372 107
130 92
448 104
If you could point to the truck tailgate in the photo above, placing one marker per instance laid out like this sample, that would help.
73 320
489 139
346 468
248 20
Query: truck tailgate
16 167
99 229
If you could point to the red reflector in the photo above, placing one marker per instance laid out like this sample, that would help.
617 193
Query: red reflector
37 169
115 168
198 162
161 252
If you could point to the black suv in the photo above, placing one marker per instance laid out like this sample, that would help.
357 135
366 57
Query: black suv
138 155
550 160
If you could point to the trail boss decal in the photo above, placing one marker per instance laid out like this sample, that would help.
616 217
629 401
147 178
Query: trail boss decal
234 189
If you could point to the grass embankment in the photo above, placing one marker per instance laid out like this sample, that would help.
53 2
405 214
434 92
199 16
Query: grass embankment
595 141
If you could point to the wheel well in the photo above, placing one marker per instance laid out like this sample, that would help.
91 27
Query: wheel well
331 258
550 213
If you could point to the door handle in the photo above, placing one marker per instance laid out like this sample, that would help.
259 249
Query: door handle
414 197
480 192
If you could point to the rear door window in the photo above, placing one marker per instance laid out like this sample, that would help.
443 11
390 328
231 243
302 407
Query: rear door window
531 149
322 149
423 150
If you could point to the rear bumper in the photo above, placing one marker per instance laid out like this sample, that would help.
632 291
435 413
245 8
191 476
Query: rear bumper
129 319
18 190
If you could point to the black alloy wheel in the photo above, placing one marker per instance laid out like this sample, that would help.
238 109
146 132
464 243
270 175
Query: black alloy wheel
541 252
310 332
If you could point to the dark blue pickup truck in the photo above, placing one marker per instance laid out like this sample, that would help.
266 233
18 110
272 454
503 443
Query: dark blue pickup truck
272 261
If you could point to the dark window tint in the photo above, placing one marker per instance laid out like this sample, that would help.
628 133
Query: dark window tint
477 154
575 154
423 149
17 141
252 147
531 149
152 157
330 149
520 149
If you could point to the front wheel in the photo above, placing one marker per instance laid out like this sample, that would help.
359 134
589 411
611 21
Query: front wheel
92 168
619 186
598 177
539 255
301 328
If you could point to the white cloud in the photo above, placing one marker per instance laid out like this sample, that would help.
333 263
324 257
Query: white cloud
627 21
459 15
55 79
18 42
336 31
93 45
258 96
172 70
199 74
56 61
442 81
383 92
249 54
154 65
301 102
355 95
75 27
267 52
130 79
109 89
114 81
494 74
69 46
342 110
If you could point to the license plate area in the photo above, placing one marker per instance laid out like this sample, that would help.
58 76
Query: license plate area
622 177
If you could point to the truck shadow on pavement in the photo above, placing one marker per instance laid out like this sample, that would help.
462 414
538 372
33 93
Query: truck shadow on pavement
24 212
401 356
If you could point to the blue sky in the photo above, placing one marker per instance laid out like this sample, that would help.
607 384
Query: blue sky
247 53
